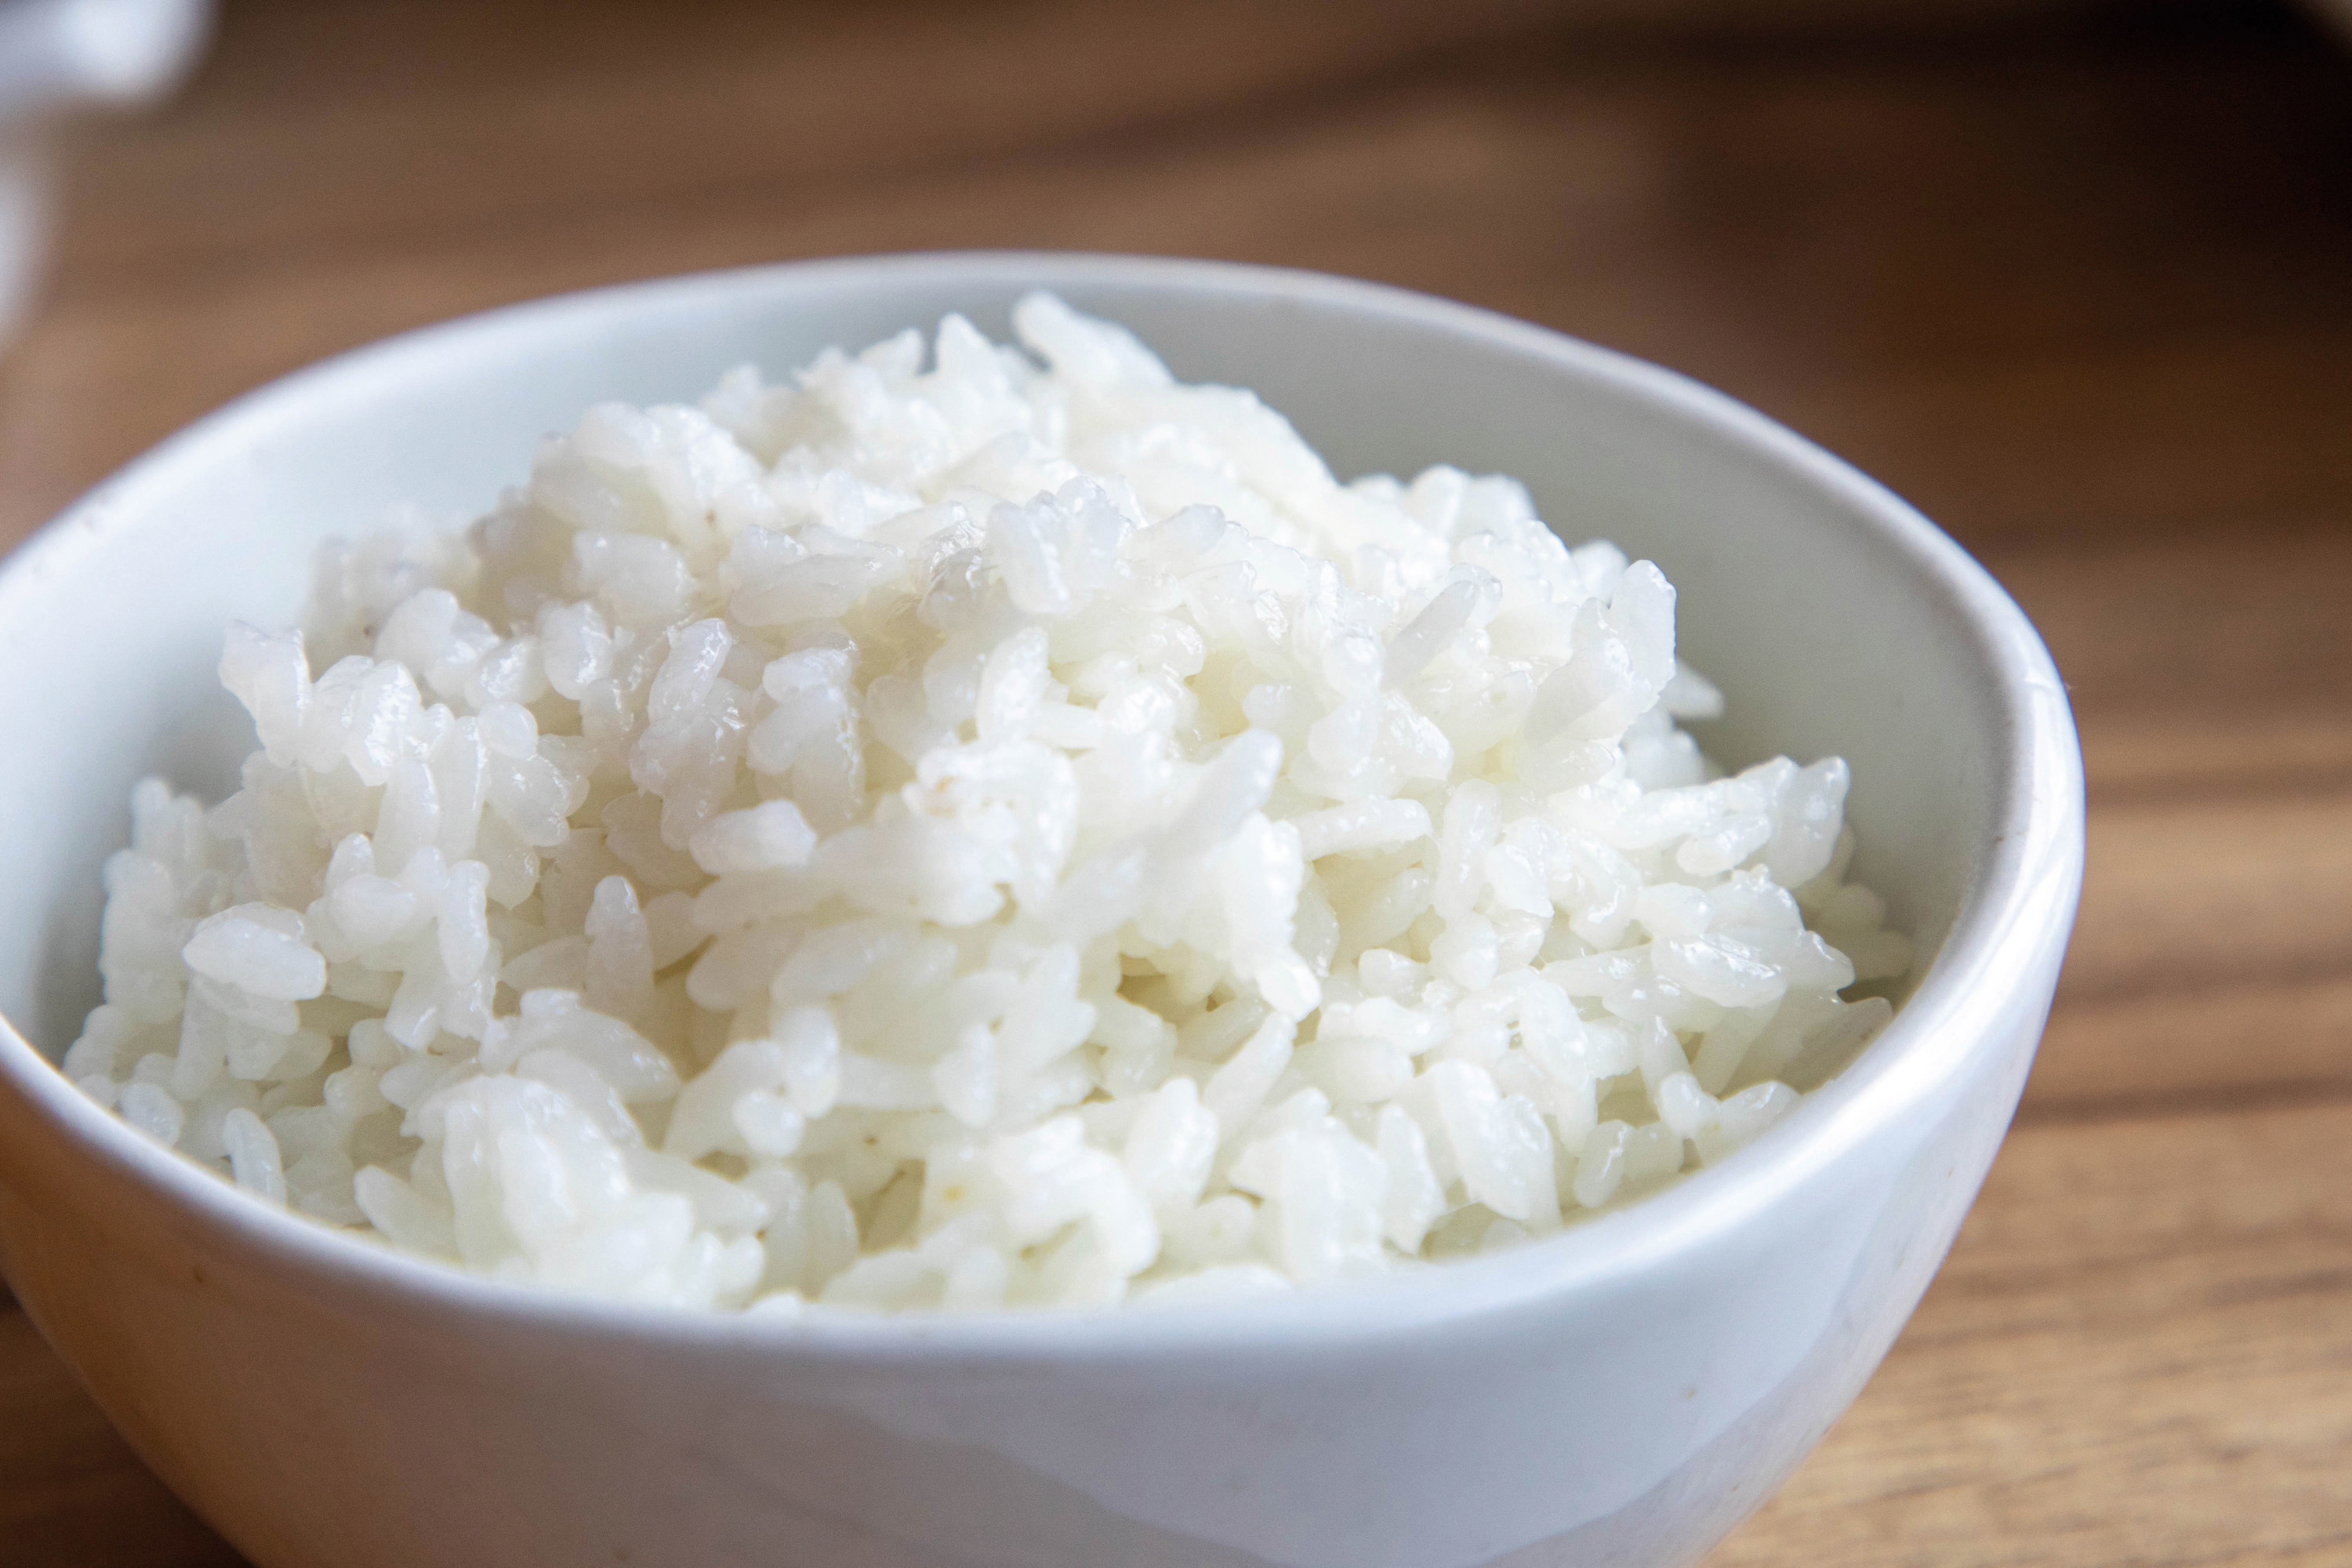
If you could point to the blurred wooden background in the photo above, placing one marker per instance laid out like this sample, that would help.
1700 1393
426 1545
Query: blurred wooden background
2076 280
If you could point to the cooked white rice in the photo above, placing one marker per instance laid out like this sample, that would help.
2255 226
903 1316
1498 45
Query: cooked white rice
979 836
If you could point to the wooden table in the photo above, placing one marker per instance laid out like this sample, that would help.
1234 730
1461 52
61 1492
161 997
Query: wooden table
2082 288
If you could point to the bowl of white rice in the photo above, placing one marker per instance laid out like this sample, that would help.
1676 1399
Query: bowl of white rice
991 908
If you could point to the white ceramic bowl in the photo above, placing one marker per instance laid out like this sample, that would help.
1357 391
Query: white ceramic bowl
1622 1394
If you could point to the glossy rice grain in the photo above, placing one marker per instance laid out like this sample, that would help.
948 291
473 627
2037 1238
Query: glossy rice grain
973 827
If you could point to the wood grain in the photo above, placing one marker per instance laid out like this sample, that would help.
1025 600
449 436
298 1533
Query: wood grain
2135 1355
2072 279
71 1491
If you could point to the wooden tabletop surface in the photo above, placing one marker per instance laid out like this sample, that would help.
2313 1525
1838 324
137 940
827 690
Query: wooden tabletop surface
2080 284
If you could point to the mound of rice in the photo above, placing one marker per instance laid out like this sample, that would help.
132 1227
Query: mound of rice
1007 833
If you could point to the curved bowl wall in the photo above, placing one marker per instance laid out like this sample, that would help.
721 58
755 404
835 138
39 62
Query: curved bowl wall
1622 1394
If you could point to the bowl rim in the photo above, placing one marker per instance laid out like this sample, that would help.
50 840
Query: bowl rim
2012 920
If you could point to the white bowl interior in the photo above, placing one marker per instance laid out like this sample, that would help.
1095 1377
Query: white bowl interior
1822 629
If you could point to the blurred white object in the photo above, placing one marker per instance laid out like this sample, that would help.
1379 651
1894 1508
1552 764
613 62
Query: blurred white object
57 56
